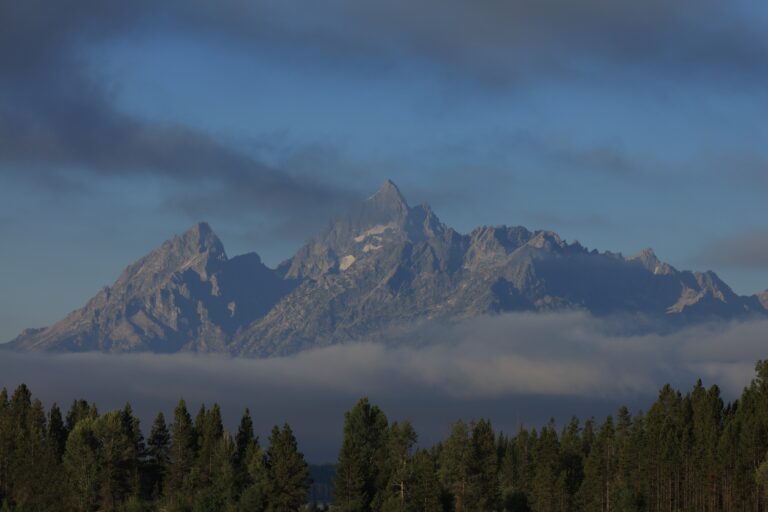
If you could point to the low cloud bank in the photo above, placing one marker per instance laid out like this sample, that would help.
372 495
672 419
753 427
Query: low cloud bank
516 369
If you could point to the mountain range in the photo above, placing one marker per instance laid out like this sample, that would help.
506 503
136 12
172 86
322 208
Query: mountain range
380 266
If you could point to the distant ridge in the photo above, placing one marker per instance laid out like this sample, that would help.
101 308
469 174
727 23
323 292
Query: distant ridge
381 265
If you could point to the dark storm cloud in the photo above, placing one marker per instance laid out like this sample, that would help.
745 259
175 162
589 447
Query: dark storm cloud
520 368
746 250
501 42
567 156
59 125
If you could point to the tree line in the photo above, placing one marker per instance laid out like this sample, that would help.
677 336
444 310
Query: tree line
90 461
687 452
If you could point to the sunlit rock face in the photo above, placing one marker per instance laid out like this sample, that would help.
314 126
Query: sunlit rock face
184 295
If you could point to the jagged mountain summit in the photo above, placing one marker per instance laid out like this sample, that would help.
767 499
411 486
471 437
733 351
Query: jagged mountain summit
383 264
184 295
763 298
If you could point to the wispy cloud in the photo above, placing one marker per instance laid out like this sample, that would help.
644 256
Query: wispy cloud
745 250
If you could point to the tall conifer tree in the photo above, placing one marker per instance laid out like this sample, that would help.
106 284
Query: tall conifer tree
361 457
288 472
57 433
158 455
455 464
180 482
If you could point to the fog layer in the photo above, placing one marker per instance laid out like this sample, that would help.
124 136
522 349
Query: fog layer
517 369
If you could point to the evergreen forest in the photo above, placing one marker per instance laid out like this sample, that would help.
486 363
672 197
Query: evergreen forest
688 452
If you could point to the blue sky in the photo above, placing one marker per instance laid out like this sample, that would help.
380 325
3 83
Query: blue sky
623 125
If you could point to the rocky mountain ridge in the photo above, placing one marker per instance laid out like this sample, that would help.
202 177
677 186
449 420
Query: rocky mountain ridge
380 266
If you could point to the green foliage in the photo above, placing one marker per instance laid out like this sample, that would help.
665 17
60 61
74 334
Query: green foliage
158 457
256 488
397 470
81 465
118 451
209 430
180 481
689 453
287 471
625 499
218 493
245 437
455 464
361 459
482 491
425 486
548 487
57 432
80 410
244 440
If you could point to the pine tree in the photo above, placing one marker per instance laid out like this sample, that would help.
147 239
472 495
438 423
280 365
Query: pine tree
624 493
288 472
571 461
117 455
707 418
6 445
596 489
57 433
482 490
180 480
81 463
588 436
30 457
20 404
254 496
547 487
455 464
199 427
158 455
761 477
425 486
507 466
244 439
79 410
223 477
245 436
361 458
625 456
134 439
748 432
219 493
209 433
666 430
729 456
398 471
36 471
523 448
